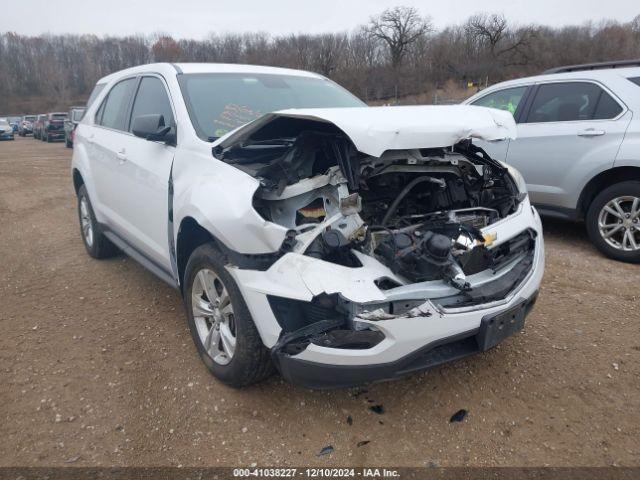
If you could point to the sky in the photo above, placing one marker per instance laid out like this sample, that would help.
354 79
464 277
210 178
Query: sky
200 18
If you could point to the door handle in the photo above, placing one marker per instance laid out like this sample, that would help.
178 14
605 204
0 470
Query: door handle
121 155
591 132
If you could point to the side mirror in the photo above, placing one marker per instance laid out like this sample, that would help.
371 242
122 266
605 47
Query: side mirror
152 127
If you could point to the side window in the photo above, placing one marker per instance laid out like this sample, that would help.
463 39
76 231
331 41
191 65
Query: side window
113 111
571 101
607 107
507 99
152 98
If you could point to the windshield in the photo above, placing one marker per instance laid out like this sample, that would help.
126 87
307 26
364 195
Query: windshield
58 116
221 102
30 118
3 122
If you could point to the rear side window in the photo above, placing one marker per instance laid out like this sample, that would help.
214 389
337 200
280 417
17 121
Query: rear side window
571 101
635 80
152 98
113 111
607 107
507 99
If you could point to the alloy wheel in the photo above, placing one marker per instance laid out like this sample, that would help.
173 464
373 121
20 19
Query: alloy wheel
619 223
213 316
85 222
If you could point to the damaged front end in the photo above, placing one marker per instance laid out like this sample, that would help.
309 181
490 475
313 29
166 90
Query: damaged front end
405 235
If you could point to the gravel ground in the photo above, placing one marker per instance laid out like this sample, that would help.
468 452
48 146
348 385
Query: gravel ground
97 366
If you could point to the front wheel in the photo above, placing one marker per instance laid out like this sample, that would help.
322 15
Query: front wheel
613 221
220 323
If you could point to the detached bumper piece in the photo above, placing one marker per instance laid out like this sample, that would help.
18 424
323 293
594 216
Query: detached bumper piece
493 330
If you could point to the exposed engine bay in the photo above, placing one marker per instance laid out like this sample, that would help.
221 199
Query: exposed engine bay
419 212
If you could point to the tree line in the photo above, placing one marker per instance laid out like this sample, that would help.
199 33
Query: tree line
395 55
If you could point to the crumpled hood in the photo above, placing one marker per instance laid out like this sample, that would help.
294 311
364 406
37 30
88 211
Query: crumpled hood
374 130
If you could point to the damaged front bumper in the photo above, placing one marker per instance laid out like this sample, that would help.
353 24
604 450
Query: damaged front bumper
438 324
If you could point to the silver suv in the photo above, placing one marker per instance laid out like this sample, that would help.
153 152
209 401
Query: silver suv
578 147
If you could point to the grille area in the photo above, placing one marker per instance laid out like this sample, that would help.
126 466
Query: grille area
523 245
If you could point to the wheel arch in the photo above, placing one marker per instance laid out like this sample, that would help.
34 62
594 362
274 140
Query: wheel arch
603 180
78 181
190 236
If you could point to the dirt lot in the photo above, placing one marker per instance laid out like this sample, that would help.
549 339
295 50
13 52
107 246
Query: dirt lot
97 366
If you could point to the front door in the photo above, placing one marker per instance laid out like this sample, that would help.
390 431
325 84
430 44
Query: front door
143 172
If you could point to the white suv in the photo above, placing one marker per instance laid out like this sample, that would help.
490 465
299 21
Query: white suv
337 242
578 147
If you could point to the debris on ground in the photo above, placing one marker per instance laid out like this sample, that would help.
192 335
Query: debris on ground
363 443
379 409
326 451
459 416
349 420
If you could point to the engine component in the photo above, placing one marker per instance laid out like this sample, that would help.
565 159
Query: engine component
405 191
421 256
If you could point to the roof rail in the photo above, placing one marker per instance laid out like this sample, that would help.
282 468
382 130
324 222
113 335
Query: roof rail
594 66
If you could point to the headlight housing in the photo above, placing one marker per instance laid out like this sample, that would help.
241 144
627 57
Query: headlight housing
518 179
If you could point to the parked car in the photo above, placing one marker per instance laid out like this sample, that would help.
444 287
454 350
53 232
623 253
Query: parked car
73 118
578 147
339 242
38 127
25 126
53 127
14 122
6 130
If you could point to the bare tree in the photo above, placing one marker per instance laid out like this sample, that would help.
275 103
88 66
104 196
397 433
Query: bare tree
394 54
487 28
398 28
635 24
166 49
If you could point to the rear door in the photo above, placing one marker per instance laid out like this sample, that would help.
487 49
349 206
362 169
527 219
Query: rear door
511 99
143 172
106 140
569 131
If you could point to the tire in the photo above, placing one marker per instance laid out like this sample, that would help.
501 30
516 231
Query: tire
67 143
250 361
624 231
95 242
47 138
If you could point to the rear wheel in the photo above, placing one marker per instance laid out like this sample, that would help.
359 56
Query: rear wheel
95 242
67 142
613 221
47 138
220 323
